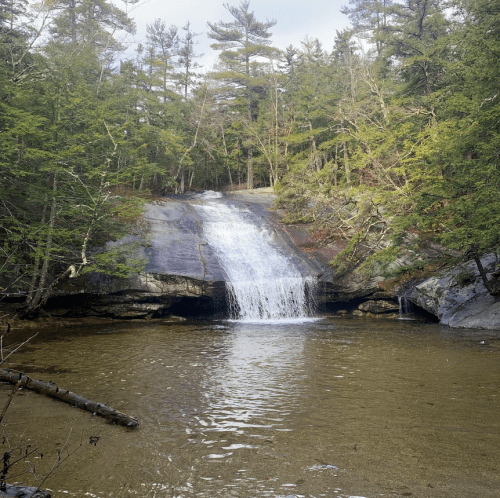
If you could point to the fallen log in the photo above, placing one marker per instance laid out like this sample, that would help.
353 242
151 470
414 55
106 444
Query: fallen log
50 389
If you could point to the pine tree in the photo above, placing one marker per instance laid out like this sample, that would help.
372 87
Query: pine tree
369 20
186 60
161 48
241 42
417 40
94 22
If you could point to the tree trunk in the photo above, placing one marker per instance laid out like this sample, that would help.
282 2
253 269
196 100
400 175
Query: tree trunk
36 265
48 249
346 164
191 178
249 167
492 286
142 185
229 174
182 186
53 391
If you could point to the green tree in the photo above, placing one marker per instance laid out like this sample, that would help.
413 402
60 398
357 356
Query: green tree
161 48
93 22
187 56
241 42
457 199
369 20
417 41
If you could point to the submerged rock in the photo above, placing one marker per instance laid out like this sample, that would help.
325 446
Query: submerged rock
12 491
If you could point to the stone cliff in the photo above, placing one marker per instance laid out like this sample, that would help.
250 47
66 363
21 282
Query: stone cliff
182 276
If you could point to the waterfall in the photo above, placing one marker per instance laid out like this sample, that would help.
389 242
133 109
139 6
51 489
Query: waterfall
264 283
405 306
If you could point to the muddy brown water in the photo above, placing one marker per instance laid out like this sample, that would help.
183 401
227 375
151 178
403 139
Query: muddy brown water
330 408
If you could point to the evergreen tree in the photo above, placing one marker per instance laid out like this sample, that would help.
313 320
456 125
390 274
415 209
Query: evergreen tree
456 197
161 48
369 19
94 22
186 60
10 10
241 42
417 41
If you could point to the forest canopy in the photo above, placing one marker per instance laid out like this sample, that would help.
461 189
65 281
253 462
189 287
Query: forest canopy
399 124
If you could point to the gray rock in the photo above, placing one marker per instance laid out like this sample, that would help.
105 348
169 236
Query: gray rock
459 297
381 295
13 491
176 245
179 264
379 306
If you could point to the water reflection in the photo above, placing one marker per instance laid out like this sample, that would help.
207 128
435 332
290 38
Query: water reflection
256 384
330 408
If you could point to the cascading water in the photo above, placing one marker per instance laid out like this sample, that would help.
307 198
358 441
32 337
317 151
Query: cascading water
264 284
405 308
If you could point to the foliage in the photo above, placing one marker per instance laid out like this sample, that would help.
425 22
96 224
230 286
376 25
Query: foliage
118 261
415 123
242 42
373 146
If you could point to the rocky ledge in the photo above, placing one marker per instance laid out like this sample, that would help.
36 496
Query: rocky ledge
182 275
458 297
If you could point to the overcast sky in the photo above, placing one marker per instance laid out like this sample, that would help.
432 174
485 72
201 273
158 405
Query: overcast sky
295 19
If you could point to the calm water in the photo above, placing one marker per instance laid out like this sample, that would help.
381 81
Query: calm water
330 408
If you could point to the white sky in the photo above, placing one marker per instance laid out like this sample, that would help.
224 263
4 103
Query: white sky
295 19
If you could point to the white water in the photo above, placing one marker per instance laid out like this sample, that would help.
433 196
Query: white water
264 284
405 308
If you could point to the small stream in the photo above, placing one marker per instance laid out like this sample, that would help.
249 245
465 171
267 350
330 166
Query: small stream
334 407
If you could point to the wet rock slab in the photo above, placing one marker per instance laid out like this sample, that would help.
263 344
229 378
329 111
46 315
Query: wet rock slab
179 264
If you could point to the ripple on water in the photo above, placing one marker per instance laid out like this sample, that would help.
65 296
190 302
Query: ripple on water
249 409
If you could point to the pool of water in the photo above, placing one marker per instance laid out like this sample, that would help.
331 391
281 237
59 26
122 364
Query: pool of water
332 407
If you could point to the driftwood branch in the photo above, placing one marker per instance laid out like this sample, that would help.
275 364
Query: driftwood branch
9 400
69 397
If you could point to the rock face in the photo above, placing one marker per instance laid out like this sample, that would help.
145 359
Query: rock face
182 275
179 266
333 288
459 297
176 245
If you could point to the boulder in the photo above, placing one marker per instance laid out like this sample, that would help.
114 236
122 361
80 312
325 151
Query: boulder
379 306
458 297
12 491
